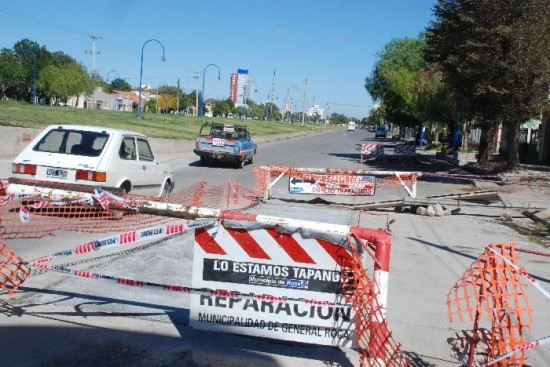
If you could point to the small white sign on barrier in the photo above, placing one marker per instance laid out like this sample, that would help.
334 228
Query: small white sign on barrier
287 287
333 185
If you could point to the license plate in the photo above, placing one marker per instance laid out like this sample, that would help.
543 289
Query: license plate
56 173
217 142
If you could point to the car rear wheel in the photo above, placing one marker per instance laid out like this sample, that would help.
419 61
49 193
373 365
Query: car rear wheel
204 161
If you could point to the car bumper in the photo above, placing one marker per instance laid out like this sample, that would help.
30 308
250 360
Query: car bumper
220 155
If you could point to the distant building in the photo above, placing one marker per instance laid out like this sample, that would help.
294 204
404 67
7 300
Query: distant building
316 110
99 100
239 81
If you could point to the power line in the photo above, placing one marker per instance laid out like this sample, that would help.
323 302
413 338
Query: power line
41 21
349 105
105 42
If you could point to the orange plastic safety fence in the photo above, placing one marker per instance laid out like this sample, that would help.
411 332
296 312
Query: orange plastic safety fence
262 178
13 270
375 343
491 287
46 217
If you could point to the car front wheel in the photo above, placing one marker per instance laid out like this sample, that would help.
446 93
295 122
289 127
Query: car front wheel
166 189
126 187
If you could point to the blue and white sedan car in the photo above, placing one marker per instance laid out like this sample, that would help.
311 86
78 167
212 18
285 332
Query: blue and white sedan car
225 142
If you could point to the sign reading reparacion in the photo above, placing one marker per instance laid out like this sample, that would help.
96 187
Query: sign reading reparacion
272 268
333 185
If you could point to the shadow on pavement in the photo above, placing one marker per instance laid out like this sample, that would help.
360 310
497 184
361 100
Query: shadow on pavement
72 338
456 252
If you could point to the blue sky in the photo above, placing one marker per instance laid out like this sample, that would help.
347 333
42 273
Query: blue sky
332 43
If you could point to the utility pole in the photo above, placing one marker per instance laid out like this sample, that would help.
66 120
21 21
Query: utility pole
286 103
93 51
178 101
158 100
304 102
272 91
196 92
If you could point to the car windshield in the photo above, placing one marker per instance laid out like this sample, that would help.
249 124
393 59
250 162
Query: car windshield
73 142
227 131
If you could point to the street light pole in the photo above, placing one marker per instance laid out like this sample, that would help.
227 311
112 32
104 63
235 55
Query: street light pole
202 93
118 89
33 74
141 70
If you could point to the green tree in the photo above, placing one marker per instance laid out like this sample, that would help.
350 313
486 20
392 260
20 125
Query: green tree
376 117
253 110
10 73
118 84
59 83
220 109
495 55
186 100
392 80
436 102
51 82
26 51
338 118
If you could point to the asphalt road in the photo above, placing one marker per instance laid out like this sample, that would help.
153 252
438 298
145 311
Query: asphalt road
63 321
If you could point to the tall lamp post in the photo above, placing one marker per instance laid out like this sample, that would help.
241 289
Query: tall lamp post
118 89
33 73
245 95
163 59
202 93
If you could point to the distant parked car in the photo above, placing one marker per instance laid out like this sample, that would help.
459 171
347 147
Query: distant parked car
225 142
94 156
380 132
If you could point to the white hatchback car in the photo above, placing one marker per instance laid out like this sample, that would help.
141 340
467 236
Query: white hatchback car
94 156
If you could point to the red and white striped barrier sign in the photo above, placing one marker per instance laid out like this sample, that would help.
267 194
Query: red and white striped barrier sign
404 149
371 151
266 261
